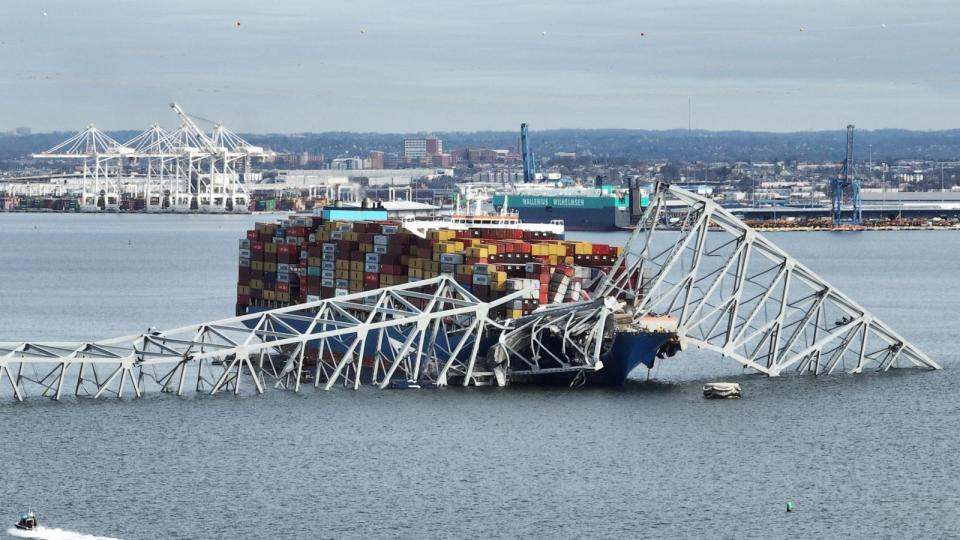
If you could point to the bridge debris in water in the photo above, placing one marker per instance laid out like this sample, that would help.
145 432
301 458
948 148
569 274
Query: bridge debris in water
727 289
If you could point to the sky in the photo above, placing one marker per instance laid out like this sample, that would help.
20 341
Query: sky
290 66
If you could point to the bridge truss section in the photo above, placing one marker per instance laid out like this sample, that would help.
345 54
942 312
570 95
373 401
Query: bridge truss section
429 332
734 292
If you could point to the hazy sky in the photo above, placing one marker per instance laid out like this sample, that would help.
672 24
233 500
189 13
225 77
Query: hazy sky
419 65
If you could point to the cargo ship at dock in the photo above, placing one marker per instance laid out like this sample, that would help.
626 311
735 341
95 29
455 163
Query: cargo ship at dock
597 208
345 251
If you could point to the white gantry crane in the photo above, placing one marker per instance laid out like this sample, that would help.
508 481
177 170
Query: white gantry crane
101 160
727 288
186 170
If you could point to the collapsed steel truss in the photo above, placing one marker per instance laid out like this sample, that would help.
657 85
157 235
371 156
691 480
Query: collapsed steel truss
733 292
728 289
428 332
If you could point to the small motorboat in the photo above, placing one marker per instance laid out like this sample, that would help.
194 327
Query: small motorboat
721 390
28 522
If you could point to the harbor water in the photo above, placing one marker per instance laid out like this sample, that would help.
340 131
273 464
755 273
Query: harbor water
869 456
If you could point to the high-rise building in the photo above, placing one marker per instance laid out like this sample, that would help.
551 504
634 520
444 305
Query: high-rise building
417 148
434 146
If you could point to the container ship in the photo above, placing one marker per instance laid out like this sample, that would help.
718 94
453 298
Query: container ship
598 208
349 250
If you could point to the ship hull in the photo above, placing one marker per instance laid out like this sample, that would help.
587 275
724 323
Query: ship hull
628 351
579 219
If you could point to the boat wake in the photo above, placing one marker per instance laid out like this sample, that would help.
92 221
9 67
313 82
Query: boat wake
47 533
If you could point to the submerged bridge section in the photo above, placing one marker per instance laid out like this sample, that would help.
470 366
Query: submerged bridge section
728 289
431 332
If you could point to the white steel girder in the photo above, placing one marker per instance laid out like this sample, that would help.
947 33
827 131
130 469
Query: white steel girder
431 331
734 292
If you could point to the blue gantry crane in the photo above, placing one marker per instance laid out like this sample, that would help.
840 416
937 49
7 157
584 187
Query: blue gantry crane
529 165
846 179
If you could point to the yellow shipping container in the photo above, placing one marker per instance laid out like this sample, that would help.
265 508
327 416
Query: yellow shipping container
343 273
256 284
442 235
356 266
269 267
583 248
498 277
269 295
356 277
342 264
256 265
499 287
514 313
243 289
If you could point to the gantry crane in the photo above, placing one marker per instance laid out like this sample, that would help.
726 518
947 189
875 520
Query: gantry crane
847 178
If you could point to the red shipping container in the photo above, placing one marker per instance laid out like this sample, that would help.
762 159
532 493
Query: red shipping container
283 287
252 235
371 278
243 299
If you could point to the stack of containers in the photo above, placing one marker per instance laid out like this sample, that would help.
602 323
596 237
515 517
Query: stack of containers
303 259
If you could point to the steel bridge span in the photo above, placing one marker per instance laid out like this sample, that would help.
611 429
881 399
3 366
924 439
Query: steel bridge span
728 289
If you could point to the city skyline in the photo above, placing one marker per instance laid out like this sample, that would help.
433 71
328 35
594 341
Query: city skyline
428 67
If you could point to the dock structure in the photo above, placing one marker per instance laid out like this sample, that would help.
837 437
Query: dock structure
729 290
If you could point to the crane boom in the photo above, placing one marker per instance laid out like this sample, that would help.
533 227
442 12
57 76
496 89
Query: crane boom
208 144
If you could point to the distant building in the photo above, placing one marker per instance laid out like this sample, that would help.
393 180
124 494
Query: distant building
441 160
392 161
418 148
22 131
376 159
346 164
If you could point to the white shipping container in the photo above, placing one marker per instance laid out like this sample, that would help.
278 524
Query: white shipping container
244 253
328 265
451 258
244 243
373 258
341 283
481 279
390 229
328 256
371 267
380 249
313 298
340 292
381 239
326 283
328 274
336 235
328 247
